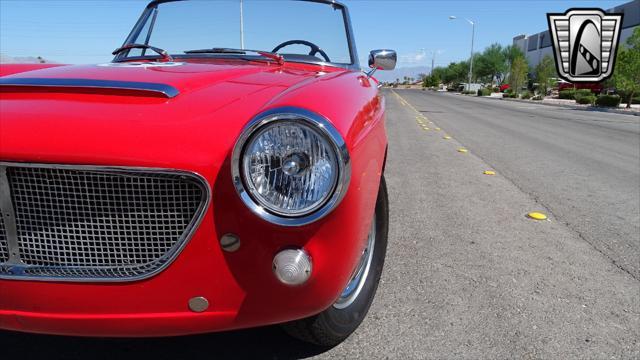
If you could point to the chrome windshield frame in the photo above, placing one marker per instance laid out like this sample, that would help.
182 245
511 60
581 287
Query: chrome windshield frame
148 11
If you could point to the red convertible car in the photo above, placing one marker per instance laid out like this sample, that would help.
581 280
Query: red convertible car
191 185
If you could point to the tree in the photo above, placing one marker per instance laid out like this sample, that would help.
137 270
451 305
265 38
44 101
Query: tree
626 74
510 54
431 81
456 72
518 75
545 70
490 63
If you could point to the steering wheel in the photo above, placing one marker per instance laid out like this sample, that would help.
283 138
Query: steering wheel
315 49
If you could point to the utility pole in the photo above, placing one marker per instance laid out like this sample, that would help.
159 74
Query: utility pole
241 26
473 35
433 62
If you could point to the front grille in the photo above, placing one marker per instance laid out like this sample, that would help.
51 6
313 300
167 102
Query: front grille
96 224
4 247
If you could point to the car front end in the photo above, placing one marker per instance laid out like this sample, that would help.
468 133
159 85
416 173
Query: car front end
147 197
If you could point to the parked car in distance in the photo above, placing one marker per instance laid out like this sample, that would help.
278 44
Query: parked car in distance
504 87
191 186
595 88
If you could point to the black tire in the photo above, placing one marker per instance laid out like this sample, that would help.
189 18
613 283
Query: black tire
333 325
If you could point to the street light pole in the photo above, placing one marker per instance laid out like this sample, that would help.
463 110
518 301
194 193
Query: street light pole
433 63
473 36
433 58
241 25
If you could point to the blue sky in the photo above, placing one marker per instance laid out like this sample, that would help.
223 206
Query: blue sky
86 31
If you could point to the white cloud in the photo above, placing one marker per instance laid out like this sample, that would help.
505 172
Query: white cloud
413 58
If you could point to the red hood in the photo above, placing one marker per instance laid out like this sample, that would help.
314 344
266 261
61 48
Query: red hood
185 77
216 100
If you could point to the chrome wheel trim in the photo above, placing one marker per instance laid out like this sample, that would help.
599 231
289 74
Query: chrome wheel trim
355 285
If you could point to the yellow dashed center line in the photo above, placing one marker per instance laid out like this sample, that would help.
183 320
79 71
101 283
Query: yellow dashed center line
532 215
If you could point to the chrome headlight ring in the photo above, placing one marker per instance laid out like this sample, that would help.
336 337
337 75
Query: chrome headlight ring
318 124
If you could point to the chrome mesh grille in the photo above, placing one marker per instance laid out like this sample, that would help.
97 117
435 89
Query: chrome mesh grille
4 246
94 224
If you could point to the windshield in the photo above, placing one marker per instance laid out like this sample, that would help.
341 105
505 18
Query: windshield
303 31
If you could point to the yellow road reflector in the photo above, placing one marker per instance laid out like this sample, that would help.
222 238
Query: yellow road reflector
489 172
537 216
463 150
438 129
447 137
425 128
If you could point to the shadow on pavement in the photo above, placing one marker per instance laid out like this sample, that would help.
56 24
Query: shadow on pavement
261 343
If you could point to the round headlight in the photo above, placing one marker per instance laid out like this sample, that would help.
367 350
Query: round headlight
290 166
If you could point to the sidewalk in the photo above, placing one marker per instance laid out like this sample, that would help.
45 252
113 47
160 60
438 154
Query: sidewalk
634 110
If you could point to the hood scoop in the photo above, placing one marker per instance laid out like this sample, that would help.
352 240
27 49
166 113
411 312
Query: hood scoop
106 86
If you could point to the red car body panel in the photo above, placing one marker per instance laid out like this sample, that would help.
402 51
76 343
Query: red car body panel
194 131
9 69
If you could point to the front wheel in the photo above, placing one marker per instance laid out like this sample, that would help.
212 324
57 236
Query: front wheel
335 324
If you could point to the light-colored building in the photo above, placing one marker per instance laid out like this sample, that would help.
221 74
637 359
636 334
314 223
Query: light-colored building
539 45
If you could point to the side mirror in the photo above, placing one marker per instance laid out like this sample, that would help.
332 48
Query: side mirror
382 60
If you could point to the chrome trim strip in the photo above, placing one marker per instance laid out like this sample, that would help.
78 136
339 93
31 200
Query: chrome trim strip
164 89
321 124
181 242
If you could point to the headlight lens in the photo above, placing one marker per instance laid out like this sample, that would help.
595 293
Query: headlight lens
290 166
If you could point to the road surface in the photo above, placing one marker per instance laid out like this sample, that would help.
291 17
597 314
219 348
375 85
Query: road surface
468 275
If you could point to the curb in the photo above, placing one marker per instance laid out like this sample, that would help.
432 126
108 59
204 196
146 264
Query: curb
573 107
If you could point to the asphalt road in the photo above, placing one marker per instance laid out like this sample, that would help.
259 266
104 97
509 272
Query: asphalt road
467 274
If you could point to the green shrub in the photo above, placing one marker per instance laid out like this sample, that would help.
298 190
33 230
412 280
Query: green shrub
484 92
583 92
496 89
526 95
586 100
538 98
568 94
624 95
469 92
510 95
608 100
